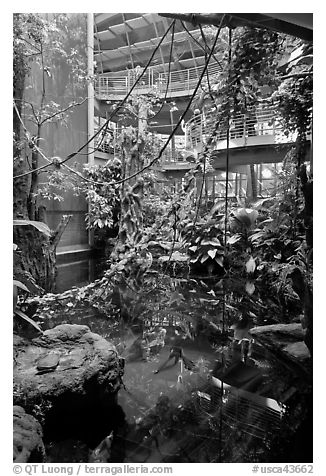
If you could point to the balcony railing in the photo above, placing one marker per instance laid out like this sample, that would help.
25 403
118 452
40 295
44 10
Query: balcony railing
181 82
260 125
104 141
257 126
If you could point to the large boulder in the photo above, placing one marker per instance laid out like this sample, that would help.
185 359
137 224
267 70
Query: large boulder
28 443
67 373
287 341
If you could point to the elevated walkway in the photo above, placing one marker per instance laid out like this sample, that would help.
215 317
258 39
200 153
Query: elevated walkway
257 126
115 86
256 137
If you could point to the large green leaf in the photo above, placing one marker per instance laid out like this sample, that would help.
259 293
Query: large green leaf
233 239
21 314
250 287
42 227
257 235
246 217
219 261
250 265
204 258
20 285
211 242
193 248
212 253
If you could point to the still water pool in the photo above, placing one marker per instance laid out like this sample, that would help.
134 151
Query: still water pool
226 406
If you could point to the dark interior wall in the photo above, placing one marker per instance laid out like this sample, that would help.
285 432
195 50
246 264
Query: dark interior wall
61 139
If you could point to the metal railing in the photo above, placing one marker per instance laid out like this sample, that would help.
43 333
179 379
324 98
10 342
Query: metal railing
103 142
260 125
256 122
181 81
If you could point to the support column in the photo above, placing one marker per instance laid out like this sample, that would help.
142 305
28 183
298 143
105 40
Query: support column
90 99
173 152
142 118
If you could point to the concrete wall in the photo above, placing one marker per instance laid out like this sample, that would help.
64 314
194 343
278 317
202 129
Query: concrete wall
59 139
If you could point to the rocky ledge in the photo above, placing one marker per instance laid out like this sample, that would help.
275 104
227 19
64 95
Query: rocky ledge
285 340
66 373
28 443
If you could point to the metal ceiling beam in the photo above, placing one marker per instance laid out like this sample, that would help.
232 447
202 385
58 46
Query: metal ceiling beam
128 41
99 45
149 44
301 19
101 17
232 20
275 24
174 56
157 35
119 64
179 37
193 55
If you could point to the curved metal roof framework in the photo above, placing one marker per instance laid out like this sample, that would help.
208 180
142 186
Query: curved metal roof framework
126 40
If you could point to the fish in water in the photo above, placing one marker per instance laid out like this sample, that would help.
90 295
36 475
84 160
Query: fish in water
102 453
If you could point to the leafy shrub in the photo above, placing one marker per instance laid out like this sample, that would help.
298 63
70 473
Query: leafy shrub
103 197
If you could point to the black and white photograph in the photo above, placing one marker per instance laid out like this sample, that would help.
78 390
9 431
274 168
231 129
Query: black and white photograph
162 241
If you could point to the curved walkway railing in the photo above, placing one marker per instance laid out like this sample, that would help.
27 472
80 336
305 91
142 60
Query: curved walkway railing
259 125
182 82
104 141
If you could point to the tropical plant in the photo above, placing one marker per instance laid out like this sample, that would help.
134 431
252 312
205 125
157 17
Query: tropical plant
207 244
103 196
29 285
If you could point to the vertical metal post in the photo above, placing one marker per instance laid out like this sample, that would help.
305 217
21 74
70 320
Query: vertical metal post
90 98
245 130
273 124
173 138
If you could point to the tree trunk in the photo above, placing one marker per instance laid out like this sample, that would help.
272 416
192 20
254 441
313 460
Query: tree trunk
307 190
36 259
32 196
21 185
253 182
304 291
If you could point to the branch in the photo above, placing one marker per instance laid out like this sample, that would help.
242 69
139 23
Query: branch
33 46
48 118
59 230
298 75
54 160
85 178
32 107
39 150
73 154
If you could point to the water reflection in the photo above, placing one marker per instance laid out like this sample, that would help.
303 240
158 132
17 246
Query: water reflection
77 272
229 405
